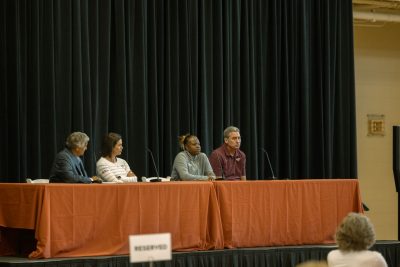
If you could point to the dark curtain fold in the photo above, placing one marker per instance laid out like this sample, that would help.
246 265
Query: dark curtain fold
282 71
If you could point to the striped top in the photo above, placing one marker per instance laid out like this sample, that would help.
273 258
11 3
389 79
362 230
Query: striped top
114 171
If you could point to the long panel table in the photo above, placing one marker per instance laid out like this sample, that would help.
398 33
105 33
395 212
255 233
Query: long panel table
285 212
72 220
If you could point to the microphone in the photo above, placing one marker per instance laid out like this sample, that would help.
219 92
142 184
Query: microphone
222 169
155 167
269 163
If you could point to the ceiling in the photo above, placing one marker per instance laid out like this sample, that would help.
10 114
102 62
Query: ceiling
376 12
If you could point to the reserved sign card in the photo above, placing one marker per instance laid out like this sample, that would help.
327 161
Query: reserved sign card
150 247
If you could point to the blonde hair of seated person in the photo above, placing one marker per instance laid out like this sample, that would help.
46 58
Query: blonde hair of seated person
313 263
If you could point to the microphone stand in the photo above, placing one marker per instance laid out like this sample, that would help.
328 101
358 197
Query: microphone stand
269 162
155 168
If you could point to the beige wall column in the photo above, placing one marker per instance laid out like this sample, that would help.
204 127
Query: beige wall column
377 75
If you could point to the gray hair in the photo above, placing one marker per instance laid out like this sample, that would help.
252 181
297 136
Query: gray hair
355 233
230 129
76 139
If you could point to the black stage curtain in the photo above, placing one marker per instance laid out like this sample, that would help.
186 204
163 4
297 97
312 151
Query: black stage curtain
281 70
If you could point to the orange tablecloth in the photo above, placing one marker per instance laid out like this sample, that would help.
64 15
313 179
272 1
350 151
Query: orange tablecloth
73 220
291 212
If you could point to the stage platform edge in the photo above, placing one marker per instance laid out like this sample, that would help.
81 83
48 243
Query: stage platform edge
286 256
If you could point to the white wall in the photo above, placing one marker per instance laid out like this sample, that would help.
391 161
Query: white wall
377 75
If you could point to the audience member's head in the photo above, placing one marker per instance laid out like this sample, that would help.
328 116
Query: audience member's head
313 264
355 233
